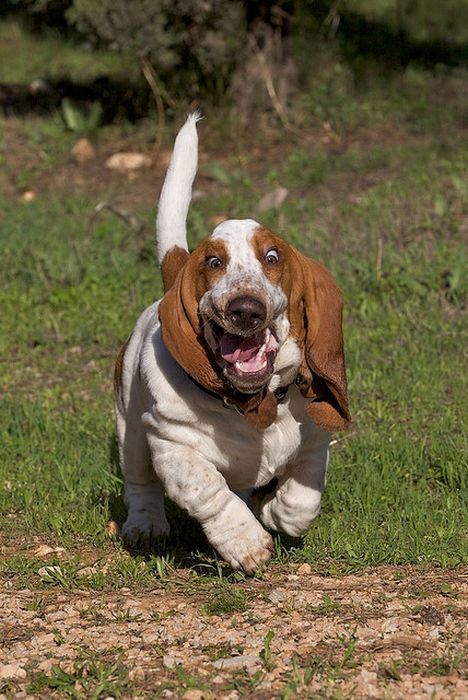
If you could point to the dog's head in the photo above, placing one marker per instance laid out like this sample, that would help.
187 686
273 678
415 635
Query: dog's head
246 313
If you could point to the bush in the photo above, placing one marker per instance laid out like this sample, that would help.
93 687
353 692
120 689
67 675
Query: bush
191 41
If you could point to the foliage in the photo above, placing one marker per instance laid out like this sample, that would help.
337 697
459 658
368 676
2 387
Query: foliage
198 38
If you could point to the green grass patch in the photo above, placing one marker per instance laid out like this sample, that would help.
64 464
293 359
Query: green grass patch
25 56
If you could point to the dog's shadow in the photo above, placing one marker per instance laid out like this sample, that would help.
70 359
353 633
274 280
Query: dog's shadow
186 546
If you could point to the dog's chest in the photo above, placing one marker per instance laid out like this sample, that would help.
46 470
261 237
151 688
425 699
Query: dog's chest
247 457
186 415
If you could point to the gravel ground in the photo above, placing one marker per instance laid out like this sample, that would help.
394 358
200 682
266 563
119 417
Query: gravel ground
388 633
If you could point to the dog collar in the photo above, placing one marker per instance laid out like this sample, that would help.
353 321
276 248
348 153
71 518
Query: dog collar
279 394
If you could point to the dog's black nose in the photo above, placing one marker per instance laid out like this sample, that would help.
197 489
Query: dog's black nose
246 313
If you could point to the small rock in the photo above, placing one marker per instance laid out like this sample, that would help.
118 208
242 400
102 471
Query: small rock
112 528
194 694
28 196
12 671
304 569
57 616
137 673
43 550
367 681
83 150
235 663
390 626
40 87
273 199
128 161
170 661
277 596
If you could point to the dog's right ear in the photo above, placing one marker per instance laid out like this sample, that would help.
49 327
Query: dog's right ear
171 265
317 325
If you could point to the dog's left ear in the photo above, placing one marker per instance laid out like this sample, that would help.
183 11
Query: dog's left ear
171 265
317 325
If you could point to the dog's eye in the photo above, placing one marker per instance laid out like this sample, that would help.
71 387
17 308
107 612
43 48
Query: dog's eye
272 256
213 261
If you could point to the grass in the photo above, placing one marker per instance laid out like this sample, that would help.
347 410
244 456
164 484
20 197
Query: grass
25 57
91 677
384 210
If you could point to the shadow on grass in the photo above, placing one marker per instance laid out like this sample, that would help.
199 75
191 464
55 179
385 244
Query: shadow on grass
118 98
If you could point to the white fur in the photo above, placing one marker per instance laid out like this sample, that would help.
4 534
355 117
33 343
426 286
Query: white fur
177 189
176 438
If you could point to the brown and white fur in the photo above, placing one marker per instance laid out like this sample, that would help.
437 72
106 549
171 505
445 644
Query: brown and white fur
246 321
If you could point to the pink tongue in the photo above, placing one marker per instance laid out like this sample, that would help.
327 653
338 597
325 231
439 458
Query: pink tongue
235 348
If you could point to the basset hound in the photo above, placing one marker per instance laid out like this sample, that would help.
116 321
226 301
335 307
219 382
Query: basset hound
232 381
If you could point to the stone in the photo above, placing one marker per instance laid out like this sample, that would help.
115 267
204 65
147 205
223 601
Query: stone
171 661
304 569
235 663
12 671
83 150
194 694
277 596
128 161
112 528
43 550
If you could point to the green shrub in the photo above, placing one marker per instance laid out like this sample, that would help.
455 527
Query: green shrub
197 40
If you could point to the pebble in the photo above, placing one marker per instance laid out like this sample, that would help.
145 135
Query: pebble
195 694
304 569
237 662
390 626
43 550
12 671
277 596
128 161
171 661
83 150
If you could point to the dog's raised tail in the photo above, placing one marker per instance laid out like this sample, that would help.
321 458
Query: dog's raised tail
176 192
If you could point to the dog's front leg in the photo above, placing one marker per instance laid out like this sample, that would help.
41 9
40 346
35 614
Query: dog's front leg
197 486
296 501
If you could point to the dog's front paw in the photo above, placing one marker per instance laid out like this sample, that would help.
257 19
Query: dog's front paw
144 529
246 547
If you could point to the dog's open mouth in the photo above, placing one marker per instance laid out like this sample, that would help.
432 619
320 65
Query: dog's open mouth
248 358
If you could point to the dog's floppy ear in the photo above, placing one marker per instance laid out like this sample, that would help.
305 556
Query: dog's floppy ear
171 265
316 322
178 313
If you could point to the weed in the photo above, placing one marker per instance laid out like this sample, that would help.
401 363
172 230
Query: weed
266 653
126 615
391 670
91 677
225 598
325 607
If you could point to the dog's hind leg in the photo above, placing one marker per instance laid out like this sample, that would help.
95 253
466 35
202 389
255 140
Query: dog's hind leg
146 521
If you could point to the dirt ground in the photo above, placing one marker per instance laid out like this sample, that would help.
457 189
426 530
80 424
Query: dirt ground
387 633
